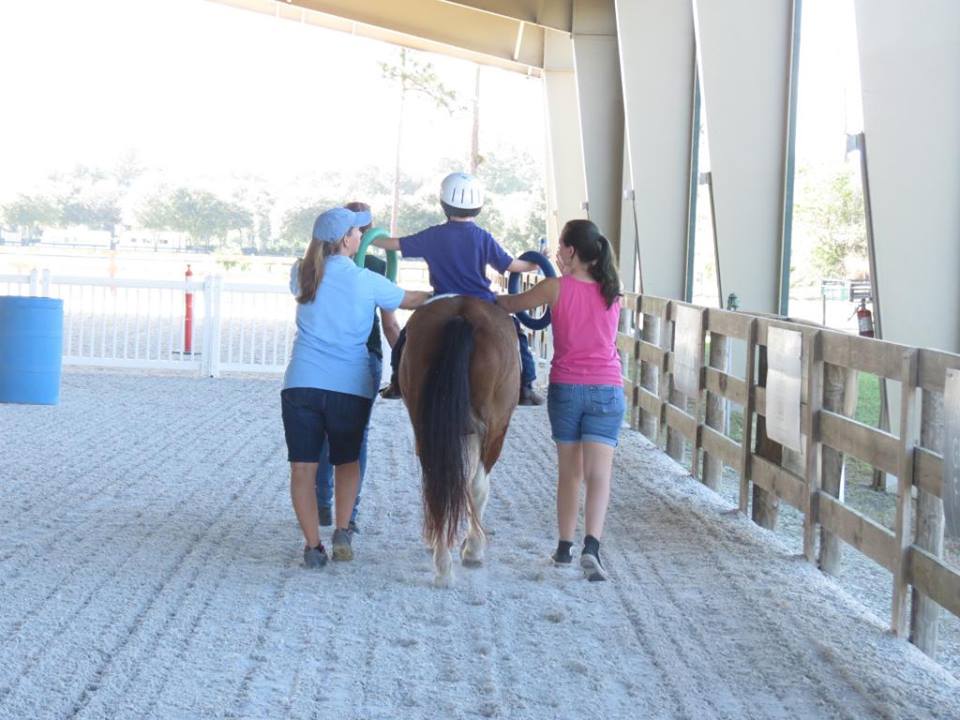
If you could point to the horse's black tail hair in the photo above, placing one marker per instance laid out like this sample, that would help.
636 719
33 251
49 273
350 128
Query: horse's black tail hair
446 417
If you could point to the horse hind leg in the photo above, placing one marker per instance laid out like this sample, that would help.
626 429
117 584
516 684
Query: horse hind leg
442 565
474 546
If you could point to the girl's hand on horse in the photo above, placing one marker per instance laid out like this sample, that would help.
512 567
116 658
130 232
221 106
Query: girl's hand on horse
544 292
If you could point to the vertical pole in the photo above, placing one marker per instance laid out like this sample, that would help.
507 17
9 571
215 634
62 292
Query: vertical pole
789 161
814 372
713 466
904 524
924 612
188 313
649 374
694 185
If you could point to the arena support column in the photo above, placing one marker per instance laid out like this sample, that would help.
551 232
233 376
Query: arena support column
566 183
600 102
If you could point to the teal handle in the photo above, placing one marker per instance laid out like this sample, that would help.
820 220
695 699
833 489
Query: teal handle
369 236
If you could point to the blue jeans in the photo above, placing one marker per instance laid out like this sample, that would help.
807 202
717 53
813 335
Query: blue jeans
325 469
585 413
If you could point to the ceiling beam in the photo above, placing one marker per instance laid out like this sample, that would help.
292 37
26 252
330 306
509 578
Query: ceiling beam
551 14
432 25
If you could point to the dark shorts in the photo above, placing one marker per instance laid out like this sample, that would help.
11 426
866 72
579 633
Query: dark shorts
585 413
311 415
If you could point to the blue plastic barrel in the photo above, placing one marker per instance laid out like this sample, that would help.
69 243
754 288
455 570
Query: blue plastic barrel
31 349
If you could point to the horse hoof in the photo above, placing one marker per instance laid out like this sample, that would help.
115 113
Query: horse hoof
470 558
443 581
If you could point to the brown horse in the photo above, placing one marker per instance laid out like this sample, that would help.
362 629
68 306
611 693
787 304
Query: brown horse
460 375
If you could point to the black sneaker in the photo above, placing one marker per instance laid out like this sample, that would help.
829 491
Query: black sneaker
391 392
326 515
353 527
314 557
593 569
342 550
563 555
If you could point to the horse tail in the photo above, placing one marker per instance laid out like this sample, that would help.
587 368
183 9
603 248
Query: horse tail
446 417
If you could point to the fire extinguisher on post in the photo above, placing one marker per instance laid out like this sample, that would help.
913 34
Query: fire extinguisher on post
864 319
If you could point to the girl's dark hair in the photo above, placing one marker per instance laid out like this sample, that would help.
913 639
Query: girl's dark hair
595 252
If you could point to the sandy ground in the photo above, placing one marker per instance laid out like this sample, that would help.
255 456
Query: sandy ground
150 568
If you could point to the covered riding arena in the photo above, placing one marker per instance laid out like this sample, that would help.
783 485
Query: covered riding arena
150 566
151 570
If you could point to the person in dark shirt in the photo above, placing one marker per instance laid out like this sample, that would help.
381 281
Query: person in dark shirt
391 330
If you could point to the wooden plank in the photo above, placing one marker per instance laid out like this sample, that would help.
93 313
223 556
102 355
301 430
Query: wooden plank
746 453
876 357
719 445
850 437
765 323
759 395
649 402
935 579
728 386
679 420
858 531
650 305
782 483
909 439
699 400
728 323
630 301
814 371
627 344
932 366
650 353
928 471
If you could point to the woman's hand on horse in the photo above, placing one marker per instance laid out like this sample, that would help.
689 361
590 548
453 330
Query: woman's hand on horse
414 299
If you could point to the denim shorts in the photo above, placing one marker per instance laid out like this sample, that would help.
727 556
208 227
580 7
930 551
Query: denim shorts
585 413
311 415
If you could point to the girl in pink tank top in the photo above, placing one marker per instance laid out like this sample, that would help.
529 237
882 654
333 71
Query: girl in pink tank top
585 401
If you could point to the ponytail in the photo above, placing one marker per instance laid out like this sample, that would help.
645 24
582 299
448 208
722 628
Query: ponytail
312 267
604 271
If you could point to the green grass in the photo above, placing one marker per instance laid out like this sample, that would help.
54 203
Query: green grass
868 400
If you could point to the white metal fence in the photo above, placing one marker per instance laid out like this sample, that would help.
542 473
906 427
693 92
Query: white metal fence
235 326
141 323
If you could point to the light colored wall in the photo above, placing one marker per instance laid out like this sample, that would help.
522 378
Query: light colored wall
657 66
744 58
910 76
600 101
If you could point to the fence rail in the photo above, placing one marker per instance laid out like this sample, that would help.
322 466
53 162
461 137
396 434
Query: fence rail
912 549
141 323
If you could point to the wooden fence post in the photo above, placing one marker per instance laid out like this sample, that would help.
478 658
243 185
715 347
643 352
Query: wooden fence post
839 386
813 450
924 612
650 375
713 466
904 519
766 505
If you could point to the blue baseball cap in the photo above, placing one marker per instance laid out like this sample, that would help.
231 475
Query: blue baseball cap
333 224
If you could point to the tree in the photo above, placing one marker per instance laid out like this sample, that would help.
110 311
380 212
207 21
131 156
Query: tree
30 213
200 214
834 215
413 76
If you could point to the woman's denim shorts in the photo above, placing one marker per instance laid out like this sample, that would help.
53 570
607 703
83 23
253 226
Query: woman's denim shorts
311 415
585 413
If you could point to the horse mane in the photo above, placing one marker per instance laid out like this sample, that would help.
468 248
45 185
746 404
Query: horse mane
446 416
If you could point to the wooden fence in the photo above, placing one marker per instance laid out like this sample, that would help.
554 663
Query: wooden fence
912 551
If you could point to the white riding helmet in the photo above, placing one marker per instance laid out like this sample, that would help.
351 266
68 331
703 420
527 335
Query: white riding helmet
462 191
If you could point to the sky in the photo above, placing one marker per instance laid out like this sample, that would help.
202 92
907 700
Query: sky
198 87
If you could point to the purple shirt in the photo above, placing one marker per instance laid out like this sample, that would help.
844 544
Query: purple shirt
457 255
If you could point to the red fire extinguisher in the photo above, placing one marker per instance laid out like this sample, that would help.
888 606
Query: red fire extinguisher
865 319
188 315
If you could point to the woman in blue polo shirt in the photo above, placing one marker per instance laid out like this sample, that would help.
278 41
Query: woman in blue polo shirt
327 389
